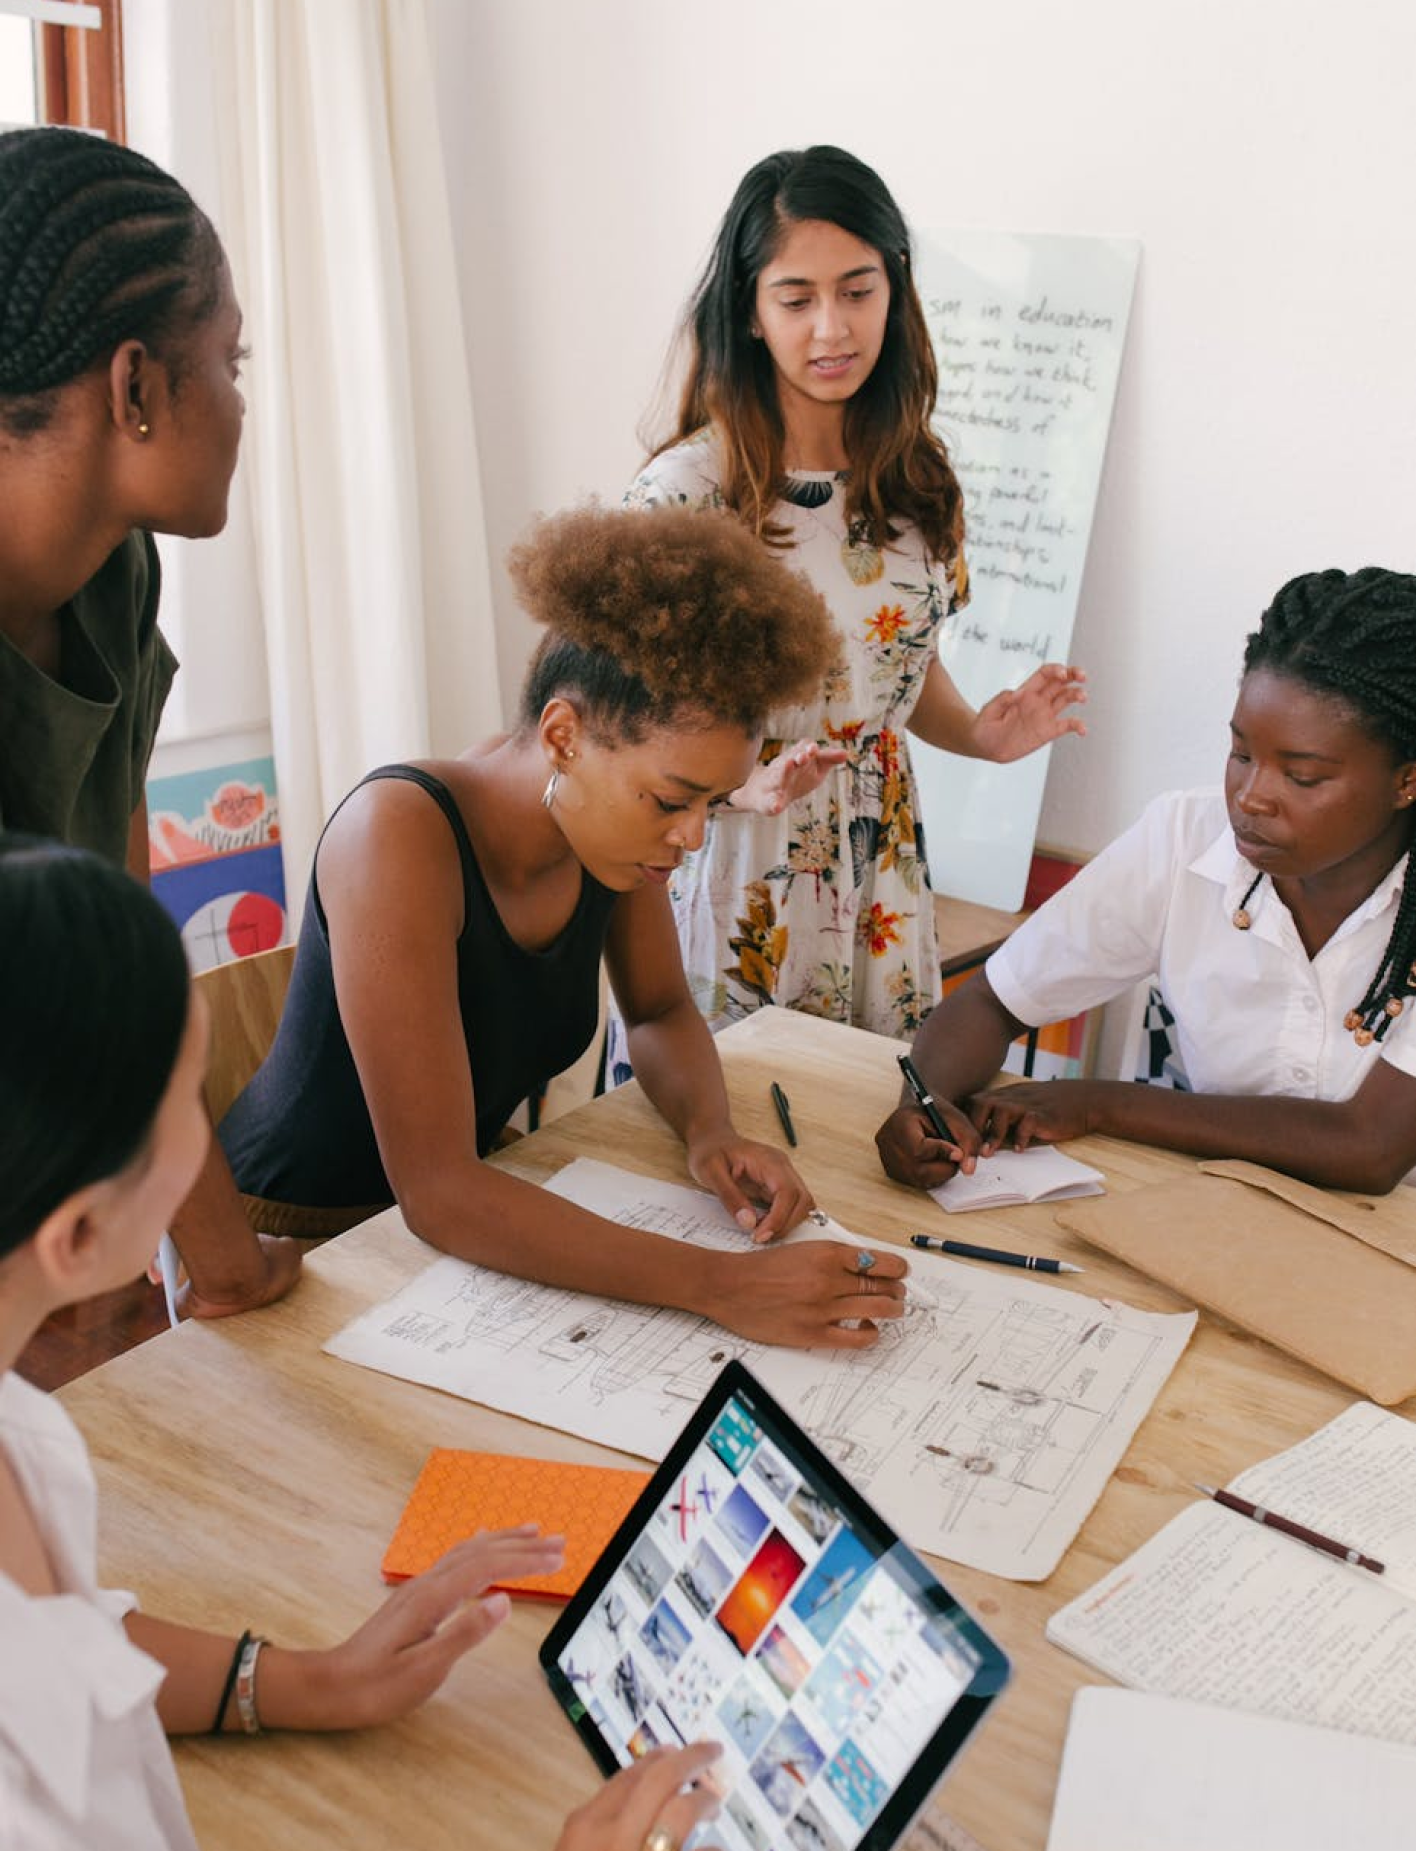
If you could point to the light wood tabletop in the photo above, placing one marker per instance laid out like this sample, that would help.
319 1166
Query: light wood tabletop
246 1479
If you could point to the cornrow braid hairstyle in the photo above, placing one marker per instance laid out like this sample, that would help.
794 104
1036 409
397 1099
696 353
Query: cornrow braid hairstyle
1352 635
97 246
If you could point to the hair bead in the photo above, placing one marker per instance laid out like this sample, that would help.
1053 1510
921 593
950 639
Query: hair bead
1242 918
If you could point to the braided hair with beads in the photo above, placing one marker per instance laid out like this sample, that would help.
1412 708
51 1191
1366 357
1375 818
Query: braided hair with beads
97 246
1352 635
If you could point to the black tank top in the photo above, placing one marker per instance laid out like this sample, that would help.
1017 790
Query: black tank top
301 1132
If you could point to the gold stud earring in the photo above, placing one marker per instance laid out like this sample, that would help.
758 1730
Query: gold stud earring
143 428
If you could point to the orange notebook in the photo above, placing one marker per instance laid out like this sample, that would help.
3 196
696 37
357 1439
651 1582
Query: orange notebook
459 1493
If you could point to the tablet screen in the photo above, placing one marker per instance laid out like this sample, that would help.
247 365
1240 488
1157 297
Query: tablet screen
754 1598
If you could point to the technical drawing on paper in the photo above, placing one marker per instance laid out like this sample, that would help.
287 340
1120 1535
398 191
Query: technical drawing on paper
984 1423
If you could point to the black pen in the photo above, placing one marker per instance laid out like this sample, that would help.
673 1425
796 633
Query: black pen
926 1100
1000 1255
784 1112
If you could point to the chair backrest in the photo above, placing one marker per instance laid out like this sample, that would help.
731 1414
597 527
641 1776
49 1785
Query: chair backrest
245 998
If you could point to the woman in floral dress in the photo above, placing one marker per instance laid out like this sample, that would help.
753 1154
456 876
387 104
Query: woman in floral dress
806 410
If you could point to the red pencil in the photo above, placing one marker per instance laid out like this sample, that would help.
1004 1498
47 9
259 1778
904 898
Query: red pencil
1259 1514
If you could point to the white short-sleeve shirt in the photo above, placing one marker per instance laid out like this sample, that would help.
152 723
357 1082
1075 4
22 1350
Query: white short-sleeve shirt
1253 1013
84 1764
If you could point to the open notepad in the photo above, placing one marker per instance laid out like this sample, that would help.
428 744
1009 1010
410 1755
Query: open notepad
1145 1773
1011 1177
1224 1610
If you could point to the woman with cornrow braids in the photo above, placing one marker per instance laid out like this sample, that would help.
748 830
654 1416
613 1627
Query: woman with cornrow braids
1280 916
120 417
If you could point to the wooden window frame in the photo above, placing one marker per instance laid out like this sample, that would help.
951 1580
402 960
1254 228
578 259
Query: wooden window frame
81 74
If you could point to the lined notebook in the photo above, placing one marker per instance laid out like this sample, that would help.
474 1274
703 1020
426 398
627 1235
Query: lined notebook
459 1493
1223 1610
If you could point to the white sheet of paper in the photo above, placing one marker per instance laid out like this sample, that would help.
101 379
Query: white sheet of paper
1148 1773
1019 1176
984 1424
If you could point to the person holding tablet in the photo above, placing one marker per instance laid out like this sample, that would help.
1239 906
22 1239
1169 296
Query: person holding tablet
449 959
120 417
1279 916
102 1130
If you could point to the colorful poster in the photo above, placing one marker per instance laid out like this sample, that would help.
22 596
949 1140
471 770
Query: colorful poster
214 846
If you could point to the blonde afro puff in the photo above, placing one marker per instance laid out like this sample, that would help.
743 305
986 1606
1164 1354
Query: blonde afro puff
662 614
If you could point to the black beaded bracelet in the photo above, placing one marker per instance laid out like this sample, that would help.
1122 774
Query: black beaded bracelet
230 1683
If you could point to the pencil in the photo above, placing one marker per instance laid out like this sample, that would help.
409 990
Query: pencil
784 1112
1259 1513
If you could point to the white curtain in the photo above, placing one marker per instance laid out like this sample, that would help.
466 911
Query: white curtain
359 451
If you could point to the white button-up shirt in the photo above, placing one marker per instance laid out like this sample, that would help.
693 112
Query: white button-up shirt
84 1764
1253 1013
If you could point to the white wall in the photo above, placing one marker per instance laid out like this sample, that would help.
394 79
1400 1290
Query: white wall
1262 150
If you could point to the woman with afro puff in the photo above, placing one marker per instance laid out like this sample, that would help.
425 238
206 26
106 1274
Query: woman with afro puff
458 911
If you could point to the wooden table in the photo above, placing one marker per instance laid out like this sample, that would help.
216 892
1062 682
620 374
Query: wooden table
248 1479
968 934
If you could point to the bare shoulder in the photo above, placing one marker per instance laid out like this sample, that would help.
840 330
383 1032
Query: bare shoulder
389 847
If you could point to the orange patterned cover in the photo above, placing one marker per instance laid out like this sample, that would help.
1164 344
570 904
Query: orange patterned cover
459 1493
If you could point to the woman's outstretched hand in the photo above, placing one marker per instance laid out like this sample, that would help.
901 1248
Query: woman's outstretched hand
403 1651
1019 720
795 772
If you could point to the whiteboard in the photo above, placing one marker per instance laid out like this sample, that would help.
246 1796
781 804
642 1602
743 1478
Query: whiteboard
1029 331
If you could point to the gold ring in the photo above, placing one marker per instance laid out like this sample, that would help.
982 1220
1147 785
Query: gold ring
864 1260
661 1839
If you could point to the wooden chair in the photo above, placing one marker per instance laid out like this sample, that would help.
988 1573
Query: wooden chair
245 999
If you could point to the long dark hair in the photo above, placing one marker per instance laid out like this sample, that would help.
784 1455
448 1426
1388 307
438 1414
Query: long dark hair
94 995
1352 636
899 468
97 246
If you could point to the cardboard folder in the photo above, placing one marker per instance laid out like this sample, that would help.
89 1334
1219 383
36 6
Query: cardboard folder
1329 1278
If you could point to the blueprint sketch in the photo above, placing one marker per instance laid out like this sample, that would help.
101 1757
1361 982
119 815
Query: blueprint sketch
984 1424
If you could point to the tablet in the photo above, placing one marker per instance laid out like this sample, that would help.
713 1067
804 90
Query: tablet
754 1598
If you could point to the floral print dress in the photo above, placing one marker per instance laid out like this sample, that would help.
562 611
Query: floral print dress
825 908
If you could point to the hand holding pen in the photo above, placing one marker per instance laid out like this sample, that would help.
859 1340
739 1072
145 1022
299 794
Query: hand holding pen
916 1143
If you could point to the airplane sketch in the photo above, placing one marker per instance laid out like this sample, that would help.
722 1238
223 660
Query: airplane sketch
984 1423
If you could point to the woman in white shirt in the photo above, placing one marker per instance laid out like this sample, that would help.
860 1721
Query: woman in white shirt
102 1130
1279 915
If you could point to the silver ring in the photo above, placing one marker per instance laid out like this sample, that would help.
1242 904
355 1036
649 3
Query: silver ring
661 1839
865 1259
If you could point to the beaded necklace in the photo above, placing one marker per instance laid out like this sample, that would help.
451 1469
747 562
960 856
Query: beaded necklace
1353 1022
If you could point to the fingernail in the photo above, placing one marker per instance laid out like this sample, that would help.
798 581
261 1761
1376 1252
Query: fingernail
746 1219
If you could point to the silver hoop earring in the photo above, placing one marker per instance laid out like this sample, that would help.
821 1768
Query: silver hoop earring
548 795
